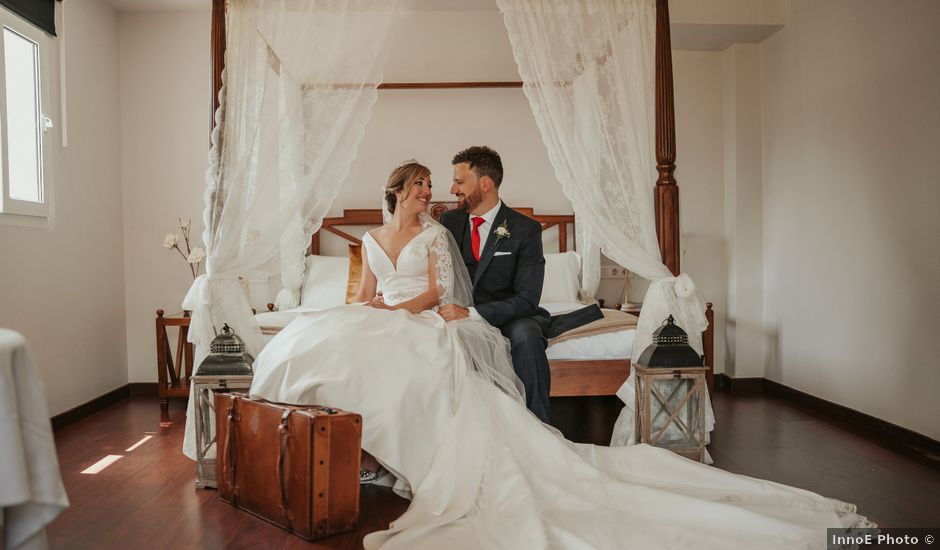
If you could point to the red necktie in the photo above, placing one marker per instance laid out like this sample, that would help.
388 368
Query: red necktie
475 236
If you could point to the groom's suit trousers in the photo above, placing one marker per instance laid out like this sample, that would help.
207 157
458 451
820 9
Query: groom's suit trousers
528 338
527 344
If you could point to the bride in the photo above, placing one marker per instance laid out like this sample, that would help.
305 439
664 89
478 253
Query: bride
443 412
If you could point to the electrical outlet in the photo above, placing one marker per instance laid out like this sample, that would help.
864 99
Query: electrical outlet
612 272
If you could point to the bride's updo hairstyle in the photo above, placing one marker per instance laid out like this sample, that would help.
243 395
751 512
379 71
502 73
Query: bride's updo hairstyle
401 180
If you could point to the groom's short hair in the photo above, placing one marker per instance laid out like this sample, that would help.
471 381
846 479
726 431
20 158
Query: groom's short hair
482 160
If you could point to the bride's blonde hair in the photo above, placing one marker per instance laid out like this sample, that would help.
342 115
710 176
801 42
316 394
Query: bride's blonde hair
401 179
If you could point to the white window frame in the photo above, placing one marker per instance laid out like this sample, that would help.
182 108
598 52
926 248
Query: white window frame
8 205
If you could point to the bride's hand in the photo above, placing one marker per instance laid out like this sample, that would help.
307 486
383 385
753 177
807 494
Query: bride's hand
379 303
453 312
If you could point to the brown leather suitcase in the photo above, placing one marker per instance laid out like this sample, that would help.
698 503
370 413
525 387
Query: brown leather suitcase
295 466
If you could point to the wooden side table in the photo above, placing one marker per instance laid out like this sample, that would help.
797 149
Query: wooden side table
173 370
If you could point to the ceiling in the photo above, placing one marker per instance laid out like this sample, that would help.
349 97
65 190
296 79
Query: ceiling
206 5
713 26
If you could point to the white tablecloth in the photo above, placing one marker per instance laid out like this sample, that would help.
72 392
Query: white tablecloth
31 490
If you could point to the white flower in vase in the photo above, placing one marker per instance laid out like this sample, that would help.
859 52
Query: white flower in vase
196 255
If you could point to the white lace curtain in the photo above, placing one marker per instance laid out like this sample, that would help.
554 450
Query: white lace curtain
588 71
299 86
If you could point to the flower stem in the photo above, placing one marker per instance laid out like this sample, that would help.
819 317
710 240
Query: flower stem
177 247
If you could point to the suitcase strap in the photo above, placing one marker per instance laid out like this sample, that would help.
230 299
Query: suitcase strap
321 475
284 430
230 451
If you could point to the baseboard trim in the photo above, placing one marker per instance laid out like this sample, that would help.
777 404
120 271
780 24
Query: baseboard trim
86 409
733 385
891 436
143 388
881 432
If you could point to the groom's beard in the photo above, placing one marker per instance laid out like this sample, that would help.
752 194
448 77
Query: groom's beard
469 202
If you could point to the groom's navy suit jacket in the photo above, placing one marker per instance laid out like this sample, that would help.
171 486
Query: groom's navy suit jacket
507 281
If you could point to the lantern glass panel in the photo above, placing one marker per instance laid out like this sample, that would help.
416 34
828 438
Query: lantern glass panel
205 409
674 413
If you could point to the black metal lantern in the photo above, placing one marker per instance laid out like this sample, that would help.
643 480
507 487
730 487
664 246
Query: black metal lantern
226 356
671 393
226 368
670 349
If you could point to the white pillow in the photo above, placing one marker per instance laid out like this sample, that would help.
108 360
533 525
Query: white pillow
325 280
562 282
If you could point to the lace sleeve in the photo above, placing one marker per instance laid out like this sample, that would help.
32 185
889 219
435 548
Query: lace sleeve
442 263
453 280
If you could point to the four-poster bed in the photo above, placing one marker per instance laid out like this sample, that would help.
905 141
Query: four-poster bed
570 378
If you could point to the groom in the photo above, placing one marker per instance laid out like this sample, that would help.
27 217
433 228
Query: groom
503 253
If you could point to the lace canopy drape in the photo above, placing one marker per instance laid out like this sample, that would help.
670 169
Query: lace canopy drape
588 71
299 86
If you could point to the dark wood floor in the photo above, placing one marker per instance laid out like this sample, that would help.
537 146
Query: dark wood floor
147 498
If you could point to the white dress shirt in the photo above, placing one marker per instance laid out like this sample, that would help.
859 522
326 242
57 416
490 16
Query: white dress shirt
488 218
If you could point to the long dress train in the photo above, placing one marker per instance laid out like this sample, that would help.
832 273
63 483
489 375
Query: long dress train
482 471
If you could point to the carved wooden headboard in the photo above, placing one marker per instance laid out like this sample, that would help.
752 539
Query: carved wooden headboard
373 217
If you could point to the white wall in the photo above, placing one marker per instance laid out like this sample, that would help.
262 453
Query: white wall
63 287
699 172
851 130
433 125
746 339
164 60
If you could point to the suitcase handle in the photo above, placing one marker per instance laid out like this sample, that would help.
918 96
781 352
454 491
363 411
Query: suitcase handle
281 459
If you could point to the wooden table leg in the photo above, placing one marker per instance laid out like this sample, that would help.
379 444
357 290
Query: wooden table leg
161 365
188 353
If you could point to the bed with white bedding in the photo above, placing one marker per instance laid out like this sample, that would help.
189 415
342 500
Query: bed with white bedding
609 345
594 364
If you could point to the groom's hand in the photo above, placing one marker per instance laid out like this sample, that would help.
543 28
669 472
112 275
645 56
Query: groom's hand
453 312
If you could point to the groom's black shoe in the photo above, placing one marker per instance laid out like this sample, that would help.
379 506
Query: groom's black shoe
560 324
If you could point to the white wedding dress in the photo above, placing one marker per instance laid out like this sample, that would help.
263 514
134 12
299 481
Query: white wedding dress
482 471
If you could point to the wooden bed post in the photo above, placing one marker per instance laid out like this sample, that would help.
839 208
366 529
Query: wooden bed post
217 57
667 192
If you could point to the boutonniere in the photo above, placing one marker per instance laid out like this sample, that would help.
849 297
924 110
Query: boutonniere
502 232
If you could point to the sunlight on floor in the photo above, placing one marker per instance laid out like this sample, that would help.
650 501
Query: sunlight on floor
102 464
138 444
111 459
